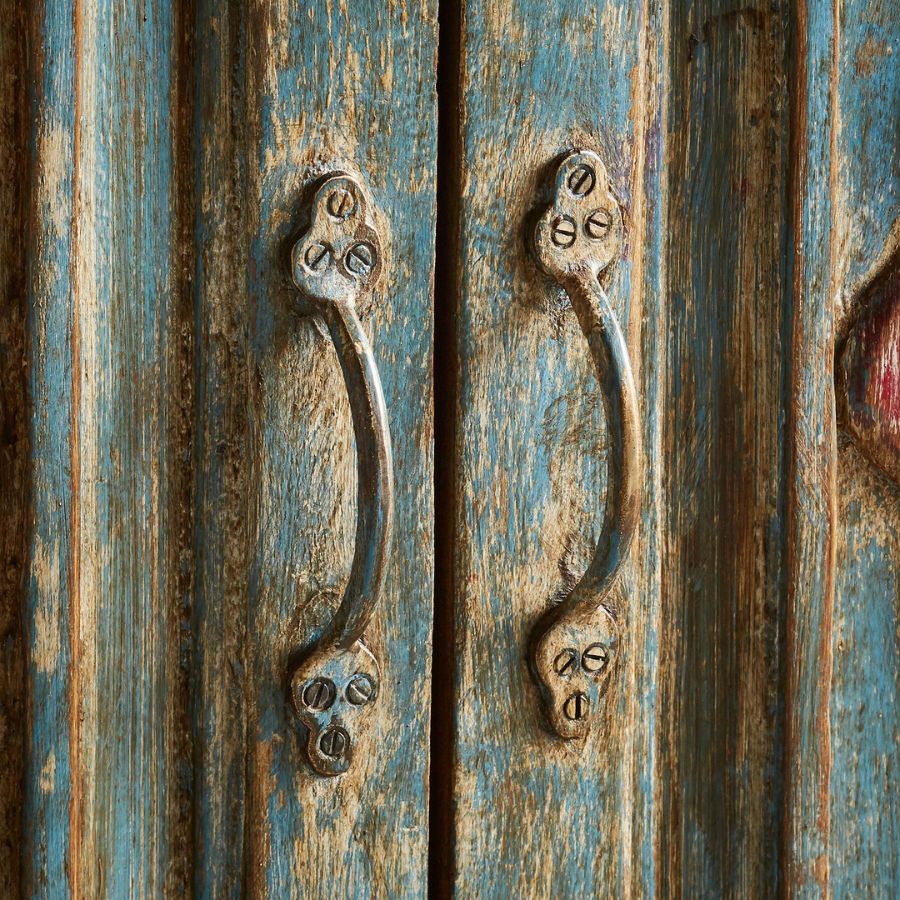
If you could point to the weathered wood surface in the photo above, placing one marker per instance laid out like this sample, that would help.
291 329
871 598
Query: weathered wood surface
535 816
843 729
178 461
867 373
191 457
339 85
102 811
863 847
726 295
751 742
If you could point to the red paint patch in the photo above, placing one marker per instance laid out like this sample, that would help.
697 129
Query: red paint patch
870 365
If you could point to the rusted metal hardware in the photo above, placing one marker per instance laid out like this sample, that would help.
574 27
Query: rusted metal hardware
575 644
333 263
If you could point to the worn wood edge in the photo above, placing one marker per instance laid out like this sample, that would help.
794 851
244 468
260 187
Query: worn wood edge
811 516
15 480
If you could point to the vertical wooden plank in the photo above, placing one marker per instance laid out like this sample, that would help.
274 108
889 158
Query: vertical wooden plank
864 718
331 85
682 793
106 376
222 539
727 290
864 847
14 456
124 276
50 608
535 816
811 510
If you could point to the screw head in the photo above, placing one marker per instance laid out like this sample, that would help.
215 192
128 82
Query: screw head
576 707
317 257
595 659
564 664
562 231
319 694
597 224
581 180
341 203
360 258
334 742
361 689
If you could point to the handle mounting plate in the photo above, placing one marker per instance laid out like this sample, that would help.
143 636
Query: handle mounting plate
576 644
338 259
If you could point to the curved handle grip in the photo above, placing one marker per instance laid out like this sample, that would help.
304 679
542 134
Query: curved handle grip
335 261
374 475
574 645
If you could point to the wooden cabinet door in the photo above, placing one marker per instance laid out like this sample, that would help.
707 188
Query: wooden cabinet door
630 286
182 468
747 740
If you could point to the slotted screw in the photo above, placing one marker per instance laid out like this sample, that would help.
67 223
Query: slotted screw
597 224
334 741
341 203
581 180
595 659
564 663
576 707
317 257
318 694
360 259
360 689
562 231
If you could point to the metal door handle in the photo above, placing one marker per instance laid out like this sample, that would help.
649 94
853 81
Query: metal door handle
336 260
575 644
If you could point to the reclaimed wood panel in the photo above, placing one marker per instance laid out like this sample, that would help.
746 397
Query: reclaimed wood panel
861 853
727 290
841 815
535 816
189 475
331 85
773 126
216 109
104 380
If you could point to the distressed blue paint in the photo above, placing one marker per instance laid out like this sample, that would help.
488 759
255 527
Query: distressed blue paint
864 845
126 178
100 380
331 87
811 535
842 822
49 600
865 710
533 818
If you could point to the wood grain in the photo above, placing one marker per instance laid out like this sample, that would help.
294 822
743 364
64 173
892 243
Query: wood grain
535 816
106 381
718 771
329 86
191 452
727 290
49 606
15 460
